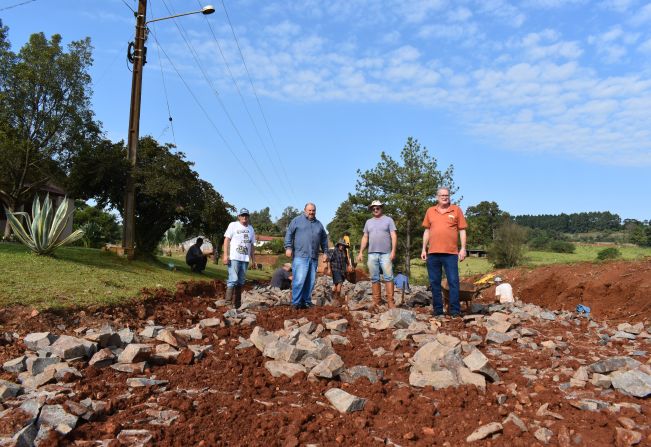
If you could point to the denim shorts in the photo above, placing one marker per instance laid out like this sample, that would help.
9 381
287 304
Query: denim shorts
380 263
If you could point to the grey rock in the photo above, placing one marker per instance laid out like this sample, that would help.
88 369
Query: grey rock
338 340
209 322
244 343
66 373
343 401
498 337
467 377
47 376
261 338
39 340
631 329
329 367
16 365
479 363
32 407
126 336
351 375
135 438
36 365
137 382
130 368
337 325
601 380
9 389
485 431
612 364
26 436
279 368
102 358
549 316
68 347
428 358
56 417
134 353
513 418
167 336
281 350
621 335
543 435
634 383
105 337
192 333
398 318
148 332
437 379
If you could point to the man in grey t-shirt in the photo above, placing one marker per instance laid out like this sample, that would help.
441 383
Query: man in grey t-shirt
381 236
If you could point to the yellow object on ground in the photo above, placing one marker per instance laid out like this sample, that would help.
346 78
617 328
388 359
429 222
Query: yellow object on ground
485 279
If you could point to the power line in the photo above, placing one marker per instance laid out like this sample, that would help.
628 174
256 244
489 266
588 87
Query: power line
212 123
195 56
169 112
246 68
248 112
17 5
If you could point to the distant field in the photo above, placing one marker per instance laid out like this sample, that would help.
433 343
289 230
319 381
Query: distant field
584 253
83 276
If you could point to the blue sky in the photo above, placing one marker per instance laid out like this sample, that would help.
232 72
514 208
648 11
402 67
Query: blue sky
543 106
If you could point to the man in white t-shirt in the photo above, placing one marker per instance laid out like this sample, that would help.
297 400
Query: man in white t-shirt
503 291
239 247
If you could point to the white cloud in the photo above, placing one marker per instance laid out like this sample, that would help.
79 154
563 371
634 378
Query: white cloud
645 47
642 16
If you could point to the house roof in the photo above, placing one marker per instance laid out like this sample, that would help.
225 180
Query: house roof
264 238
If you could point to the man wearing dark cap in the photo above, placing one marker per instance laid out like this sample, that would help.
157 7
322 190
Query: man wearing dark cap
195 257
239 246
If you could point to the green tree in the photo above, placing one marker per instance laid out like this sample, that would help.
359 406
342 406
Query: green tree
211 215
99 226
483 220
286 217
349 218
507 249
407 187
167 189
261 221
45 113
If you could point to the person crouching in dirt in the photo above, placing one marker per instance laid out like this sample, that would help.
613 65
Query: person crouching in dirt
503 291
339 263
195 257
239 249
282 277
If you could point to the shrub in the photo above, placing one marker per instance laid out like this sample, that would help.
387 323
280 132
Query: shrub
609 253
538 243
562 247
507 249
43 229
275 246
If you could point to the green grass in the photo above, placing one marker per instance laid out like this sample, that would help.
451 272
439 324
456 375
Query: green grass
584 253
78 276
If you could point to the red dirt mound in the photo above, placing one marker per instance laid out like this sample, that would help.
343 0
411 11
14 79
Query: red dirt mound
613 290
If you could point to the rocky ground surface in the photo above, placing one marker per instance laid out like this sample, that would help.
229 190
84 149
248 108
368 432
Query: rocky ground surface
183 369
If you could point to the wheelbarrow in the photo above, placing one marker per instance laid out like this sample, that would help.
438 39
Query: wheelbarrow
467 291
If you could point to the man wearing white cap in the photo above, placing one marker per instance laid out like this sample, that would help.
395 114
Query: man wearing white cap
381 236
503 291
239 247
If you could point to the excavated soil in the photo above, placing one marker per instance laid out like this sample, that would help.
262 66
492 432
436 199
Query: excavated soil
617 291
229 398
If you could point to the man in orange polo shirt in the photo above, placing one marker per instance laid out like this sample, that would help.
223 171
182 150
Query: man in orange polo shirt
444 225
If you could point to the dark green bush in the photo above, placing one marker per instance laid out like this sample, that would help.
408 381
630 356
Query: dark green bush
609 253
507 249
562 247
275 246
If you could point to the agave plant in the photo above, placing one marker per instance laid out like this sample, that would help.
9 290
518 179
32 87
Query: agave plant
44 228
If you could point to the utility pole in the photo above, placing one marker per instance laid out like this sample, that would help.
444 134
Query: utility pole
138 59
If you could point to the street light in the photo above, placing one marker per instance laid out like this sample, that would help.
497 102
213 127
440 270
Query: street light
137 57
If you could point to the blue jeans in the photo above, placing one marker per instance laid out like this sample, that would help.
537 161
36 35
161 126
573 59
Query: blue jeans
380 262
451 265
236 273
304 271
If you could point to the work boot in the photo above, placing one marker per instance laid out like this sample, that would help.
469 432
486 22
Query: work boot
376 287
388 285
229 295
237 301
